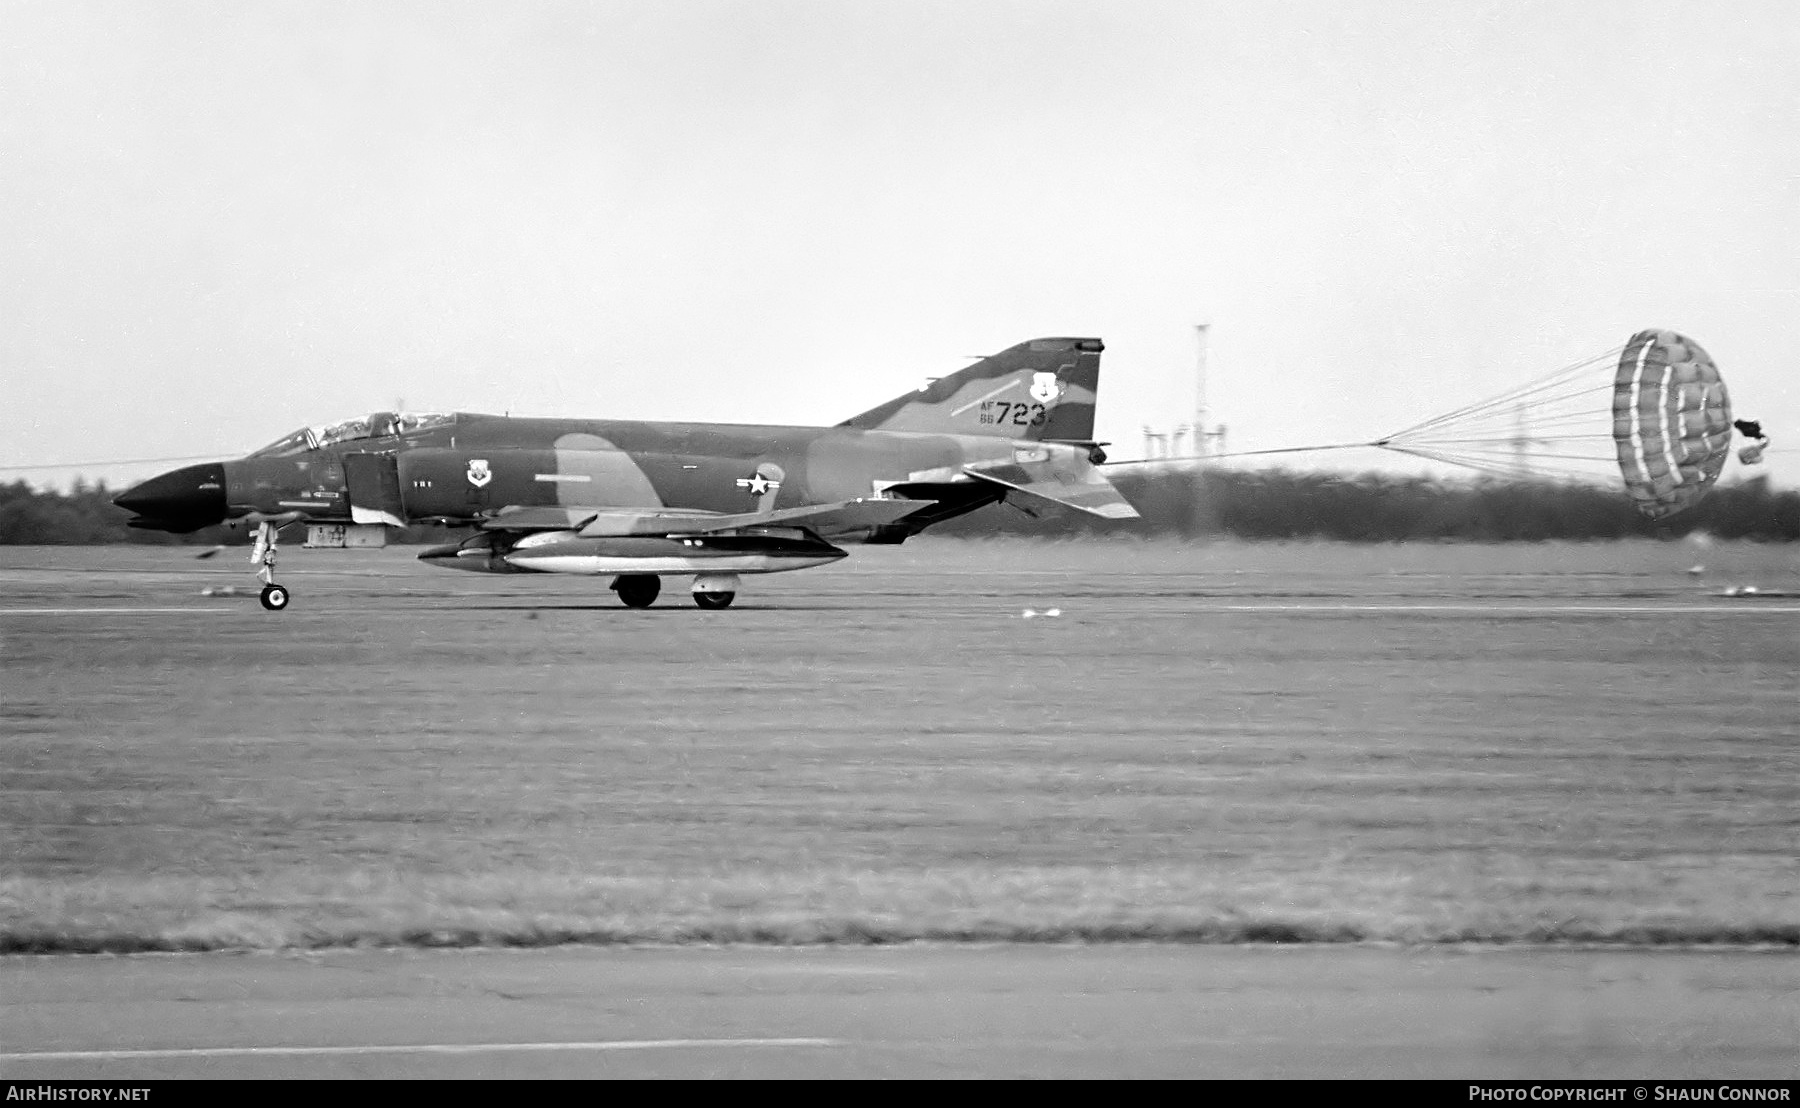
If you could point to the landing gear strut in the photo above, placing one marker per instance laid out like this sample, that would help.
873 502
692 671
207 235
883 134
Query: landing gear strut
637 590
262 554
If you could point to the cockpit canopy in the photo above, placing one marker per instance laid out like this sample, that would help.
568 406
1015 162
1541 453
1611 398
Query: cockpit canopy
376 425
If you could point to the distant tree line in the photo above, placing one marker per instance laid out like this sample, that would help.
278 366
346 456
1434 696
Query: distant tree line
86 516
1372 507
1261 504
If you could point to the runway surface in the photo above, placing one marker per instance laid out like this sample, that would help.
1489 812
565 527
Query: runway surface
1423 744
1000 1011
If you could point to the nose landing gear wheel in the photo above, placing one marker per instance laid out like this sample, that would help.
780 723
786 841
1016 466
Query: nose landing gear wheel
714 599
262 553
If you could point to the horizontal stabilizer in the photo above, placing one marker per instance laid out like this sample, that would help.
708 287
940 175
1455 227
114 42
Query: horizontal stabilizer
826 520
1064 481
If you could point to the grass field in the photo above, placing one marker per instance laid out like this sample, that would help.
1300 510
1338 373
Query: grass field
1220 742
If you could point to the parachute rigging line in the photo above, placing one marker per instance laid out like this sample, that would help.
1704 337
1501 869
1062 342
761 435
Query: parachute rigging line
1652 414
1660 422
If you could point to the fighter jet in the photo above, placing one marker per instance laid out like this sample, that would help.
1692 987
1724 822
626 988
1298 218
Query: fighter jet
638 501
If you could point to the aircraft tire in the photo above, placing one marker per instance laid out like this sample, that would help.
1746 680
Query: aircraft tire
638 590
714 599
274 597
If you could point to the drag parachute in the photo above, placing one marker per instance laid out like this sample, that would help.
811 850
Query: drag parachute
1653 414
1671 421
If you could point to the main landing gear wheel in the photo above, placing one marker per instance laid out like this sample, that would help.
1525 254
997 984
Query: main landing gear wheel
638 590
714 599
274 597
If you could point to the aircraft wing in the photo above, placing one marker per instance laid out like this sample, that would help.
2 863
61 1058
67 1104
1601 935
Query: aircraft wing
825 520
539 519
1063 481
840 518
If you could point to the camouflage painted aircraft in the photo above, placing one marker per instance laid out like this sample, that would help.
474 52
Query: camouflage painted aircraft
638 500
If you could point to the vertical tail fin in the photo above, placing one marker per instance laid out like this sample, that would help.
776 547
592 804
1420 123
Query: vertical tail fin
1042 389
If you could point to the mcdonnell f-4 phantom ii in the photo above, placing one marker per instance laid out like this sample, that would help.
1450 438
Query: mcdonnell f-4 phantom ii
638 500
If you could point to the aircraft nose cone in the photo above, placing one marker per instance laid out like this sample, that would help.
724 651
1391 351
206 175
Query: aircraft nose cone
184 499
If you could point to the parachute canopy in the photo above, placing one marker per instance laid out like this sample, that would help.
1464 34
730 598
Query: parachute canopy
1671 421
1653 414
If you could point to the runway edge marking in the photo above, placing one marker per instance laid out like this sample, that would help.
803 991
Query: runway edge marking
1520 608
402 1048
105 611
1523 608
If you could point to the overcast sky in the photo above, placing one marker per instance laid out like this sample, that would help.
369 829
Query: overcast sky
222 221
